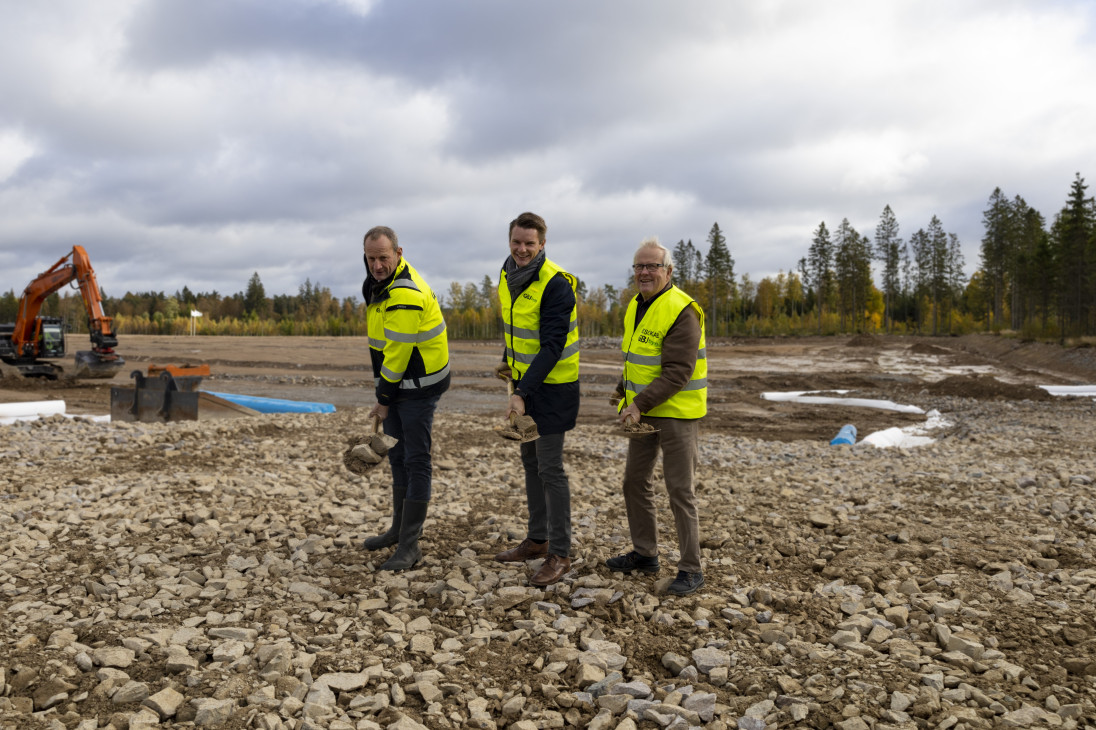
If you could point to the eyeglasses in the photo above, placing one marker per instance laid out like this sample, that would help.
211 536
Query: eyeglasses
647 267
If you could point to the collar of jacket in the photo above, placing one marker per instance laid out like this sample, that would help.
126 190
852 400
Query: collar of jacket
379 290
642 305
518 278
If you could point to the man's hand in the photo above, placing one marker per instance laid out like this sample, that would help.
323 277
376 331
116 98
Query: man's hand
379 412
632 411
502 371
515 407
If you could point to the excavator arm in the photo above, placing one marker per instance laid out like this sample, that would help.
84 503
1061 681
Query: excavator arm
25 336
102 361
103 339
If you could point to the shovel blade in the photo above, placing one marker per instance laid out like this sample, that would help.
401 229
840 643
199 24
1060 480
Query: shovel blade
381 443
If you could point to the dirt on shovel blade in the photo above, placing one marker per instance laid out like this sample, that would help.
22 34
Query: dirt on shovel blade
360 457
523 429
633 430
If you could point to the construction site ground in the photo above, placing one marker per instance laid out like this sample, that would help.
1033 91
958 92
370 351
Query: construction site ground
980 544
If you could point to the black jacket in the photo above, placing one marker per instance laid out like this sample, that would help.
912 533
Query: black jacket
553 406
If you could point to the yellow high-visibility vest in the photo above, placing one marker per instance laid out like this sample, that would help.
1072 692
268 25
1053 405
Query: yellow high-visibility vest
406 319
642 349
521 327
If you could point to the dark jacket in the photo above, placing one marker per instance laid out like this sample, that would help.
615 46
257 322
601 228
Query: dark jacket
553 406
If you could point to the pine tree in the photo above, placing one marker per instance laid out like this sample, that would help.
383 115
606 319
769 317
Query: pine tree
920 271
1074 240
719 268
852 262
997 219
819 266
688 267
888 250
255 299
956 280
683 264
1025 274
938 268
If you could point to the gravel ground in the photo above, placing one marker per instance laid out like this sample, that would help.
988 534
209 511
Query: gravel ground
211 574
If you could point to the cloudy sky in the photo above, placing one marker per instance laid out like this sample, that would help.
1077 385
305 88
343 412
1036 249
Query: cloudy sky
195 142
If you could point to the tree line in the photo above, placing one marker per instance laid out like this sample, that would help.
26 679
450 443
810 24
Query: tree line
1034 279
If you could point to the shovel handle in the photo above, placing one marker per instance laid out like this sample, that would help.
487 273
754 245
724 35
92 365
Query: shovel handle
510 394
376 425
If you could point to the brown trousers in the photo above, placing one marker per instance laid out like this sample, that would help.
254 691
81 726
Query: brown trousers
677 440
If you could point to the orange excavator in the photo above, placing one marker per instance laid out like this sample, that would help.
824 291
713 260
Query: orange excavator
28 344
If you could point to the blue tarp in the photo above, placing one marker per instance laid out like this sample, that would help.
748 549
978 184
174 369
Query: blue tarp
275 405
847 435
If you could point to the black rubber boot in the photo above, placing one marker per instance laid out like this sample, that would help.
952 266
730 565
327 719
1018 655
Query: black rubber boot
391 537
408 554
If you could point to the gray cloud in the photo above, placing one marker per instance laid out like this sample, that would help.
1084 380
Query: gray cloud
193 143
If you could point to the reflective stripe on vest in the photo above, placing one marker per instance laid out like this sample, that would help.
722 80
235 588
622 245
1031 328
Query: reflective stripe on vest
521 327
424 382
643 356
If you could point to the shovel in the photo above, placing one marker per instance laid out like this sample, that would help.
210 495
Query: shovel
379 440
365 452
636 430
522 429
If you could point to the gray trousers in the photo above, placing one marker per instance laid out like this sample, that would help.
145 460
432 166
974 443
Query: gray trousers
677 439
548 493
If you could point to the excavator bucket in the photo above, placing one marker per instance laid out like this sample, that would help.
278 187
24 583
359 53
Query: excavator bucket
160 399
90 364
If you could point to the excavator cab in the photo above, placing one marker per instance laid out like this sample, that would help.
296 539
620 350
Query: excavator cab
51 337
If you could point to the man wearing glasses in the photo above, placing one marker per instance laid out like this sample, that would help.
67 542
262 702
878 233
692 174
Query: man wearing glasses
664 384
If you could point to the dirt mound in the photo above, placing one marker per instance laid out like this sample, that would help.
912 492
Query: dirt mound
923 349
864 341
986 387
754 385
20 383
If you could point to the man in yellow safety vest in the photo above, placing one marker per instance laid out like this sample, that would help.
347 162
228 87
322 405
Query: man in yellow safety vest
664 384
540 326
409 352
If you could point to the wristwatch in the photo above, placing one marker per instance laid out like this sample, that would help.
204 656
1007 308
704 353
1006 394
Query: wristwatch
519 393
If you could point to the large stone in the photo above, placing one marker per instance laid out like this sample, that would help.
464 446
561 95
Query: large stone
345 681
51 693
165 703
113 656
211 713
708 658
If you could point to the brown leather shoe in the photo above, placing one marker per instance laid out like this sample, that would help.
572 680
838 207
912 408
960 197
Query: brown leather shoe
554 568
526 550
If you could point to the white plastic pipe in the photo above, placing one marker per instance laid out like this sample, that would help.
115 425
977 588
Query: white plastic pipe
32 409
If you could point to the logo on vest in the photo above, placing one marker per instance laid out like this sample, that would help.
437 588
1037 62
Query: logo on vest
530 297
